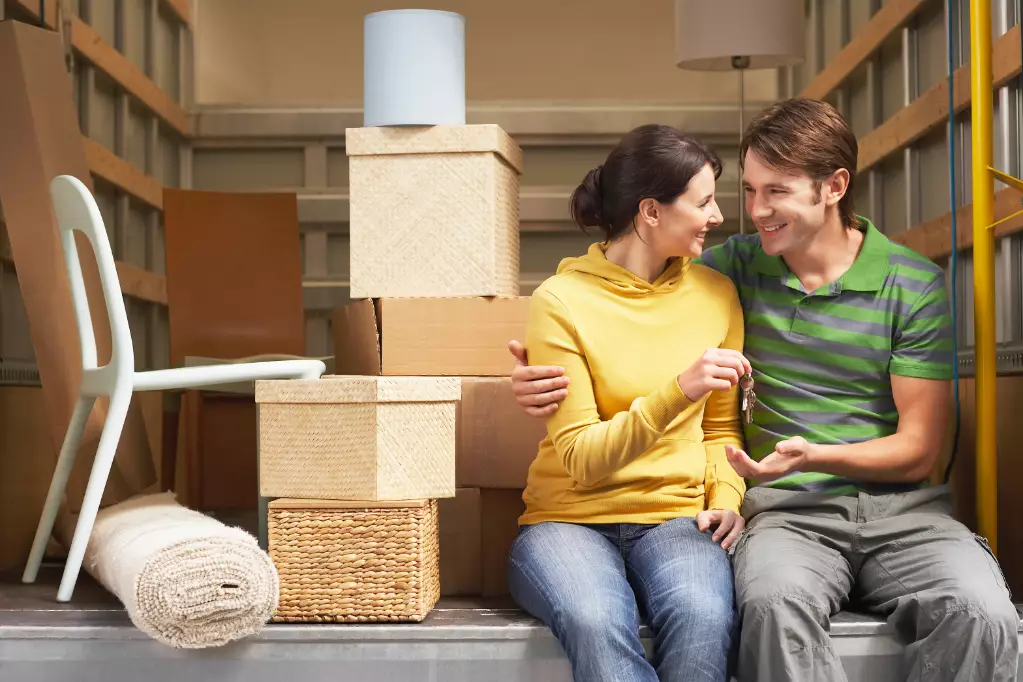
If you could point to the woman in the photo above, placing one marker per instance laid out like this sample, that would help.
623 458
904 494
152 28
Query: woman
632 478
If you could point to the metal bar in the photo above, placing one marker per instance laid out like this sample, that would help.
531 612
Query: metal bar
981 87
910 167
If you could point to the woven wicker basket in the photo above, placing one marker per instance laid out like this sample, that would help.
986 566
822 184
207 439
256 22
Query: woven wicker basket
355 562
358 437
434 211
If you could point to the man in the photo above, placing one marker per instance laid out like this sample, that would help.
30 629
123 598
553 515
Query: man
849 336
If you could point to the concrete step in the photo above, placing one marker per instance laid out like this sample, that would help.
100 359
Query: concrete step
461 640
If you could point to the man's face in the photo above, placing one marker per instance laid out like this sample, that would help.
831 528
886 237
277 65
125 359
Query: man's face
786 208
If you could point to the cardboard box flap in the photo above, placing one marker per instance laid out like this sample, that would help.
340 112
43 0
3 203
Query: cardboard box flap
454 336
486 137
356 331
336 389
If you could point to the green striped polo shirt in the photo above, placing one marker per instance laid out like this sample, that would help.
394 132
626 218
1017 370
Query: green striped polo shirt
822 359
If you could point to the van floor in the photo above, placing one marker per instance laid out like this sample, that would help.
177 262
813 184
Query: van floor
93 639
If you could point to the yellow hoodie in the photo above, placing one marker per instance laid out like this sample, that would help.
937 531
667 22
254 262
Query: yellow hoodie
627 445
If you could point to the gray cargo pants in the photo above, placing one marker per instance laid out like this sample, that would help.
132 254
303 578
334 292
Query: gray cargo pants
902 556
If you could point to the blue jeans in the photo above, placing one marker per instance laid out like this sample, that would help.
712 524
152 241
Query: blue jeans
591 584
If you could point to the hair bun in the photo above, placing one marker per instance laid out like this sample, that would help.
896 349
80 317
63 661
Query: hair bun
587 201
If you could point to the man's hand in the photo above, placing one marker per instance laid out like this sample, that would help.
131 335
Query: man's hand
788 456
538 390
729 525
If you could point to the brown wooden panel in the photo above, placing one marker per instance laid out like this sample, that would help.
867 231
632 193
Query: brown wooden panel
40 138
234 279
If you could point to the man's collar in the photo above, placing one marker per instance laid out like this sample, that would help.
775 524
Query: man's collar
867 272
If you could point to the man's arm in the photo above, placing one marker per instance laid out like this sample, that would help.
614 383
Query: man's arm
908 455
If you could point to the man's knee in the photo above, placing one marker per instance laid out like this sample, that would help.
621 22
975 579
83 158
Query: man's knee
973 608
781 599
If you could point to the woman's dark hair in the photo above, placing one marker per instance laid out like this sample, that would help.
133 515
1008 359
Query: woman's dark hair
652 161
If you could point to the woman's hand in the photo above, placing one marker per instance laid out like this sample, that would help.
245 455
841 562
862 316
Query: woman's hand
729 525
718 369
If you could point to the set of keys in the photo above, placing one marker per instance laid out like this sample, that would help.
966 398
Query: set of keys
749 398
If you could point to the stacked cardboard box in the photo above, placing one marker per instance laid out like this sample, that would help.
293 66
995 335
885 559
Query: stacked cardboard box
435 271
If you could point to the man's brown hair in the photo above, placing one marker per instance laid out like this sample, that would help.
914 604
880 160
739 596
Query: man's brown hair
805 135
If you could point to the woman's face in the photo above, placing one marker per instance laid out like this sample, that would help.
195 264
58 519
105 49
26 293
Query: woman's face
678 229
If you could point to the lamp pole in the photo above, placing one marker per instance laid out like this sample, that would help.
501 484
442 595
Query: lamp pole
740 64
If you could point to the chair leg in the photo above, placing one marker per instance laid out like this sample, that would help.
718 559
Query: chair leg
65 462
108 440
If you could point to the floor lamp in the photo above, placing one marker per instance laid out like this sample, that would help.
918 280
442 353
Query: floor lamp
724 35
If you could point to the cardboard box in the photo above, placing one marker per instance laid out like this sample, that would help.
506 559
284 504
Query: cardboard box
499 522
460 544
429 336
497 440
357 437
434 211
477 529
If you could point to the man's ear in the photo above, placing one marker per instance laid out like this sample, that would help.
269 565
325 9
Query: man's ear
837 185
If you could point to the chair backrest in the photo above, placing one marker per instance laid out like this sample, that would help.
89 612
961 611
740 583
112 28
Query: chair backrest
76 210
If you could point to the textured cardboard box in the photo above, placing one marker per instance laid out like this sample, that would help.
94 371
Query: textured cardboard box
358 437
434 211
428 336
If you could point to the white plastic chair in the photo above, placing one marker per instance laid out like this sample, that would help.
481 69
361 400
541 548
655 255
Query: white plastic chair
76 209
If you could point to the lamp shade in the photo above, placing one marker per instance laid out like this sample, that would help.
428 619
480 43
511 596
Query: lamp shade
709 33
414 68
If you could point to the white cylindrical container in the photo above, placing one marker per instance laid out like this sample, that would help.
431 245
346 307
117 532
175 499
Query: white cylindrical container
414 71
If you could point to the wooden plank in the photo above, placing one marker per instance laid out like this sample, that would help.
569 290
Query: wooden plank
891 17
105 57
135 282
933 238
930 110
182 9
105 164
141 283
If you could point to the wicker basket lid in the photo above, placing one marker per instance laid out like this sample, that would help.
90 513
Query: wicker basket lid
360 389
396 140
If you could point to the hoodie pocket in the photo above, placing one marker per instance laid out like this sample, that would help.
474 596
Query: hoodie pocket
710 483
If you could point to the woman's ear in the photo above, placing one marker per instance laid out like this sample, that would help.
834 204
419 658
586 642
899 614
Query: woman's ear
649 212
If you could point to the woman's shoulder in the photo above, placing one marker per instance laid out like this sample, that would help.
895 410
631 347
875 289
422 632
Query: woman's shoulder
710 279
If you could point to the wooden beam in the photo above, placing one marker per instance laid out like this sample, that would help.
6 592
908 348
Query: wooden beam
891 17
182 9
933 238
141 283
930 110
105 164
107 59
135 281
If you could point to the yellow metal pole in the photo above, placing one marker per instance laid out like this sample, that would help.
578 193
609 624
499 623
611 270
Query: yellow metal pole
982 96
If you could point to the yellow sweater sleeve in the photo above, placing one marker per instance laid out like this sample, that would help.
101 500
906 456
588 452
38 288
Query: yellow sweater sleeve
592 449
722 425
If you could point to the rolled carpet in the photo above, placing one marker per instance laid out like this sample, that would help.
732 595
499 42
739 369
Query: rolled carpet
185 579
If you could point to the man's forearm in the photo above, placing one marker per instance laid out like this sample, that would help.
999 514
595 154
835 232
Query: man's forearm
899 458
